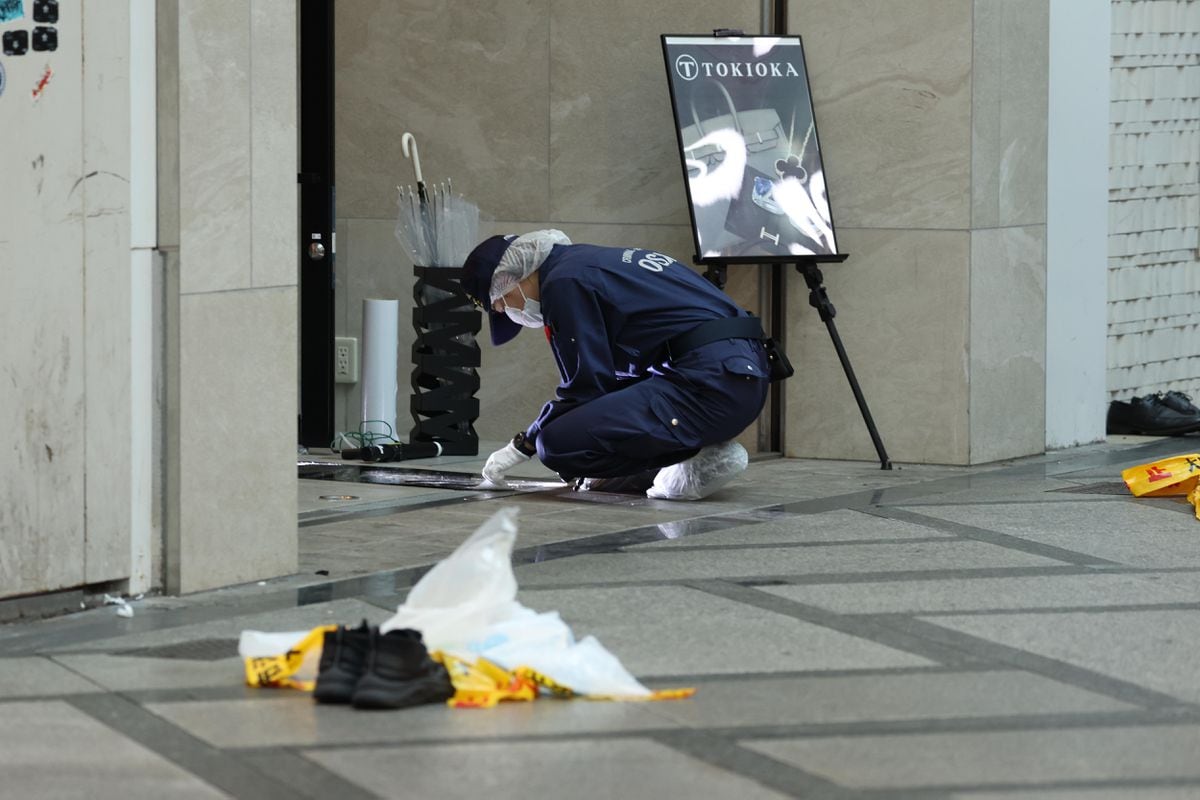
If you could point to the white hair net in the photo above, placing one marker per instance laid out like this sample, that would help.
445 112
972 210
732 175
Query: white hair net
522 259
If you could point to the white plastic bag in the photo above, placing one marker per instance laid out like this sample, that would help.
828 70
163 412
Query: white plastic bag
584 667
466 605
702 474
467 591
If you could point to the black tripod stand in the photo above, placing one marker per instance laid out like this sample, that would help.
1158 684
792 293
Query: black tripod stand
818 298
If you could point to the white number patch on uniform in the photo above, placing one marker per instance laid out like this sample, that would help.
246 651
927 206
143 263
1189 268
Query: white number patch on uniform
655 262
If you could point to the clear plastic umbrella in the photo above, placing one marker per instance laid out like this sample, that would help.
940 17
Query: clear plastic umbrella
437 227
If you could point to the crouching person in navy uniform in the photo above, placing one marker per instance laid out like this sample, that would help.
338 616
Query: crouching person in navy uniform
660 370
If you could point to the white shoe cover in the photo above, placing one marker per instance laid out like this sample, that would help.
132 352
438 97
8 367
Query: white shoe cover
702 474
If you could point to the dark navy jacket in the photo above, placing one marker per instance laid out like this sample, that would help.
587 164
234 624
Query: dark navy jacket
609 312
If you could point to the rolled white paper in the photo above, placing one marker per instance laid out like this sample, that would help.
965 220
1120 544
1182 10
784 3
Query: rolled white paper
381 332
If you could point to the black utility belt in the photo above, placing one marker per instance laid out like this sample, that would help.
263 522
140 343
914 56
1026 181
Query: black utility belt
716 330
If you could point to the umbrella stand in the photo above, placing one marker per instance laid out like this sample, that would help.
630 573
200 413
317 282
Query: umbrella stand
438 229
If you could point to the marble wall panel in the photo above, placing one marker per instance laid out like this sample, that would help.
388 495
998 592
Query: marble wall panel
107 292
166 19
42 384
891 86
1008 343
237 439
613 151
273 144
468 80
902 313
1010 107
214 159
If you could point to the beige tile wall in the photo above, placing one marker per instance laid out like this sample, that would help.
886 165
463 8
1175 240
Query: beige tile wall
1008 342
232 509
902 301
933 127
891 84
107 292
1009 113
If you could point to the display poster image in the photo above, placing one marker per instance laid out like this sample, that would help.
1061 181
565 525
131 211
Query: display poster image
749 148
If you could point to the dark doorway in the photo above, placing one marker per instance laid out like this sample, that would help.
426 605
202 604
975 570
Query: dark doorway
317 243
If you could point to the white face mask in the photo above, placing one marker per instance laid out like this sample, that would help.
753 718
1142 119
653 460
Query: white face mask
530 316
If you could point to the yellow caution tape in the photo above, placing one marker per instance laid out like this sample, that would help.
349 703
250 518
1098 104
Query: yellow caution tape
477 684
482 684
278 671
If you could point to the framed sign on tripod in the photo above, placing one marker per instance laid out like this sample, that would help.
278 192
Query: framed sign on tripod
752 166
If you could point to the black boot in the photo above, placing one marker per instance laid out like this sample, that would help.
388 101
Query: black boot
400 673
343 661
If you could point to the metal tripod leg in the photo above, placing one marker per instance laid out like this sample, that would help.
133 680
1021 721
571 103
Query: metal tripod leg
819 299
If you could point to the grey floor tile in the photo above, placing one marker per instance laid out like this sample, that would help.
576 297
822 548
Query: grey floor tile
861 698
1097 589
128 673
831 526
613 768
1131 533
48 749
1002 757
1154 649
373 557
28 677
643 627
319 495
999 489
344 612
666 565
300 721
1123 793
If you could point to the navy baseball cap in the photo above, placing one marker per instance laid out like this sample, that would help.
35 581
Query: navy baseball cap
477 281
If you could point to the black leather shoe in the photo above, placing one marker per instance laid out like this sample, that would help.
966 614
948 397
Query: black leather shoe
343 661
400 673
1148 416
1178 401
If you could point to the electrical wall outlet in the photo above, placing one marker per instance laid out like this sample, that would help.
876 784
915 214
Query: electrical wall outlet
345 359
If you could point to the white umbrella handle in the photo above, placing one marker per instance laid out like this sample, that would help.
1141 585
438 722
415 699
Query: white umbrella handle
405 141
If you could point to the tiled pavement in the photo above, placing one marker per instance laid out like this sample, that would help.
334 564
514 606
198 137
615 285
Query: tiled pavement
1020 630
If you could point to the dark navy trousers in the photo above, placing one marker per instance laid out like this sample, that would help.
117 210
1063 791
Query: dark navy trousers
707 396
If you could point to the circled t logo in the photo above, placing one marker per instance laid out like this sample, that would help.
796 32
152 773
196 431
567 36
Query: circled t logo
687 67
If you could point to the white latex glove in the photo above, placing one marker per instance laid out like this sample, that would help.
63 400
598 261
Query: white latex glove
500 462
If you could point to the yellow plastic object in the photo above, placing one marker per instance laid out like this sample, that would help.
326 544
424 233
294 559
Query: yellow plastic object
1173 476
279 671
